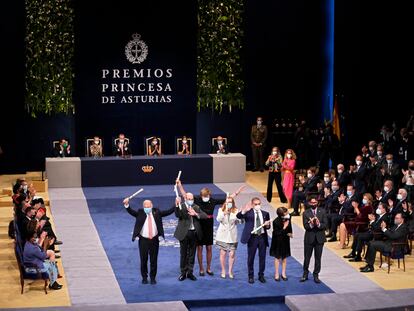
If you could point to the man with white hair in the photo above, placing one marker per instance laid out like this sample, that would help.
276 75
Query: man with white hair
188 231
148 228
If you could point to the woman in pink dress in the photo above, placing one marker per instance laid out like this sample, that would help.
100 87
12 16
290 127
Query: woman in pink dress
288 168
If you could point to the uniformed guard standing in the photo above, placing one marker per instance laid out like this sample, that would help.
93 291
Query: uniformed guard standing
258 138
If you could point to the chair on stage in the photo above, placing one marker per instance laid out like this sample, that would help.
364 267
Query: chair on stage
153 149
216 148
398 251
184 145
92 149
116 141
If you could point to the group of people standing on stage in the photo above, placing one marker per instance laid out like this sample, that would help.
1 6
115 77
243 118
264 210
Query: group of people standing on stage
195 231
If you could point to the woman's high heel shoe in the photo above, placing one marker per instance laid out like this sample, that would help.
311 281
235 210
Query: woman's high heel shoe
284 278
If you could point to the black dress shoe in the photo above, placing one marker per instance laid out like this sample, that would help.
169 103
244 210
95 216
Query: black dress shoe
57 256
145 281
355 259
57 242
304 278
261 170
368 268
191 277
55 286
262 279
210 272
153 281
350 255
316 279
333 239
362 268
251 280
254 170
182 277
294 214
329 235
57 251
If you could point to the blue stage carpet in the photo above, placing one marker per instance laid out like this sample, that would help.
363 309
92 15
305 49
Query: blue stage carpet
115 226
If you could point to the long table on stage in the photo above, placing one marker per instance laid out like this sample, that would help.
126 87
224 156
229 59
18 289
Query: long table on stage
145 170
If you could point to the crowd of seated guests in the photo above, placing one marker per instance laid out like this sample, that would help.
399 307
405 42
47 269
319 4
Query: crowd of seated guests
33 232
372 200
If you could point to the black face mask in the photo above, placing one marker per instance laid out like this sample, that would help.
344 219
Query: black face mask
411 167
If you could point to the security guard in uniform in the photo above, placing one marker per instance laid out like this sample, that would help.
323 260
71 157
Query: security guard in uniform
258 138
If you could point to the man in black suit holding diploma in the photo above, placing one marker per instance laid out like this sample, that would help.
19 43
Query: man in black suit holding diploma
314 222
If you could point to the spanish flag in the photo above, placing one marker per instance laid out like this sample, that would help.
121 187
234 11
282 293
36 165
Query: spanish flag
336 118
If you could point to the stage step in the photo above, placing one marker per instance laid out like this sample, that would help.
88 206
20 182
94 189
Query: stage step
148 306
377 300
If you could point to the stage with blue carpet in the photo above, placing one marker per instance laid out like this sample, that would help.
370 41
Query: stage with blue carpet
115 226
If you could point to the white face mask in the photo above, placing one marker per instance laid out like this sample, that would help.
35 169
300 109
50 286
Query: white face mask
399 196
259 122
184 141
371 149
349 193
378 211
190 202
205 199
289 155
286 216
121 141
97 142
386 189
326 179
154 142
358 162
25 188
379 153
257 207
335 188
340 171
274 152
389 162
310 175
364 201
219 142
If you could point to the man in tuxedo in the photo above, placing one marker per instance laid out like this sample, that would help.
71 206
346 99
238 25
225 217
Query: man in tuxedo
219 146
309 185
398 233
343 177
374 232
258 137
62 150
122 148
332 205
358 173
148 228
255 218
187 232
314 222
392 170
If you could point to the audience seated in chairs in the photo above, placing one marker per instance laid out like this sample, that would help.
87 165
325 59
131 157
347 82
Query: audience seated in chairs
220 145
122 146
35 257
94 147
184 145
61 148
153 146
358 222
308 187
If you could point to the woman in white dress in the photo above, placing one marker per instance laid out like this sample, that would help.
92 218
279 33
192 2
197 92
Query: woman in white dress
226 236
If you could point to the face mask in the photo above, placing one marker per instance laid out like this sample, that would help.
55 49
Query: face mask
25 188
371 149
229 205
399 197
378 211
147 210
411 167
386 189
340 171
190 202
335 188
289 155
310 175
259 122
184 141
286 216
154 142
37 240
326 179
121 141
358 162
379 153
274 152
396 222
96 142
364 201
314 206
65 145
389 161
205 199
349 193
219 142
257 207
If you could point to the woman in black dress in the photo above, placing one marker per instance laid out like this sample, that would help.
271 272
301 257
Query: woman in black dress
280 248
207 205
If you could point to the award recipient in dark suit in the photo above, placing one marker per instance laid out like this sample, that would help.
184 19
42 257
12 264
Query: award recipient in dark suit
188 231
255 217
314 222
148 228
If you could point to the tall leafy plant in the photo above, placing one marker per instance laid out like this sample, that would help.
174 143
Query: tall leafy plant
219 69
49 56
